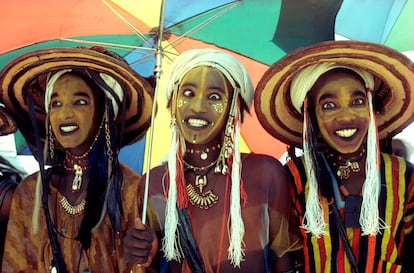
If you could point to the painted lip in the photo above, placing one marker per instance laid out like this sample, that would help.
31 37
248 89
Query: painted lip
68 128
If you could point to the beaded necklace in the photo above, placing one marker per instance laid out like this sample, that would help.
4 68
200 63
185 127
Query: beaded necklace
203 153
344 166
78 164
202 200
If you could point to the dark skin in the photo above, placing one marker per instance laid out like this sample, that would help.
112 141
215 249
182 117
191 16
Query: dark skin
140 245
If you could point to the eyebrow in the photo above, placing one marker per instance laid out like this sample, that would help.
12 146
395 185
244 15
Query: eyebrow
215 87
333 95
78 93
359 93
327 96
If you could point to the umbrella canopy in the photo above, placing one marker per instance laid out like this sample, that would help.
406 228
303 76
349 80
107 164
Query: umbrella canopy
257 32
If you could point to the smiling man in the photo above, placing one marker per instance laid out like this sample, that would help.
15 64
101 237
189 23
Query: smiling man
337 100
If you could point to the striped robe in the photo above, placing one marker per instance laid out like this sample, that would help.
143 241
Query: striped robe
389 251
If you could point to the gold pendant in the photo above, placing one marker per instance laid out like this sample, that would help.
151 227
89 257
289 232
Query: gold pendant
77 180
201 182
344 171
203 201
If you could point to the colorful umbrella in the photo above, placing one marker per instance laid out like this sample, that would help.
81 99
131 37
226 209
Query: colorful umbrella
258 32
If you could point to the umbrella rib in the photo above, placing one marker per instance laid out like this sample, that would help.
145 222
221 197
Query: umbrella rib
108 45
201 25
134 29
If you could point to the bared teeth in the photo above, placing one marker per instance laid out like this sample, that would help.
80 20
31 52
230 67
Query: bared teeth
197 122
68 129
346 132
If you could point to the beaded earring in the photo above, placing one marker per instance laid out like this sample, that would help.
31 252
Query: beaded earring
51 143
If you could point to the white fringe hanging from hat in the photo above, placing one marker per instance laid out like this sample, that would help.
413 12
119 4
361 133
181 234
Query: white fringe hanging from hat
170 242
313 219
369 218
236 230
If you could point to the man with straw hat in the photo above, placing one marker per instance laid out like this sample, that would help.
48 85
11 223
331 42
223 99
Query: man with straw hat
79 106
337 101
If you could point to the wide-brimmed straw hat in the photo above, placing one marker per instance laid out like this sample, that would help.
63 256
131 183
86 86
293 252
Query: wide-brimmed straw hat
7 124
26 75
393 72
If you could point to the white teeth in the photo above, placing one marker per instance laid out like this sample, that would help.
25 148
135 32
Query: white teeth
346 132
68 129
197 122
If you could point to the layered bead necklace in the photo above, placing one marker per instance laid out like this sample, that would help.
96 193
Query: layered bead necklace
76 164
79 163
197 197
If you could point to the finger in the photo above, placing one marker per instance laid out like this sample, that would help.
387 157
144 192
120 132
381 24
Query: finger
138 223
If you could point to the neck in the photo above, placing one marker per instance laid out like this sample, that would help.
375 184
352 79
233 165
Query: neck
335 156
202 154
79 160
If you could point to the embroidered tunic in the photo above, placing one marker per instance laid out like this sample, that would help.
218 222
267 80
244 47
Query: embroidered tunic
27 252
265 216
385 252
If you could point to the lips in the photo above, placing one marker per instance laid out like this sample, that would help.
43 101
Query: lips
346 133
68 128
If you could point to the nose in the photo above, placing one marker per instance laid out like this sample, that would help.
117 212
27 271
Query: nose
198 104
346 114
66 112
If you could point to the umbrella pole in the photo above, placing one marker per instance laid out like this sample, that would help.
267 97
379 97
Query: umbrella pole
157 72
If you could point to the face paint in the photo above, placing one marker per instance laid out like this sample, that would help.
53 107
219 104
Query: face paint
180 103
203 104
219 107
72 113
341 110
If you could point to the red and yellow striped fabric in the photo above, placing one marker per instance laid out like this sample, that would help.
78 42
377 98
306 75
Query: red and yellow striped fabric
386 252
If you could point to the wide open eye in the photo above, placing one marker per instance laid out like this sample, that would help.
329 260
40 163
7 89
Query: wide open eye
328 105
188 93
214 96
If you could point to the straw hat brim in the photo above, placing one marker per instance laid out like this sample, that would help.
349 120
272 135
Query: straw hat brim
394 73
26 76
7 124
